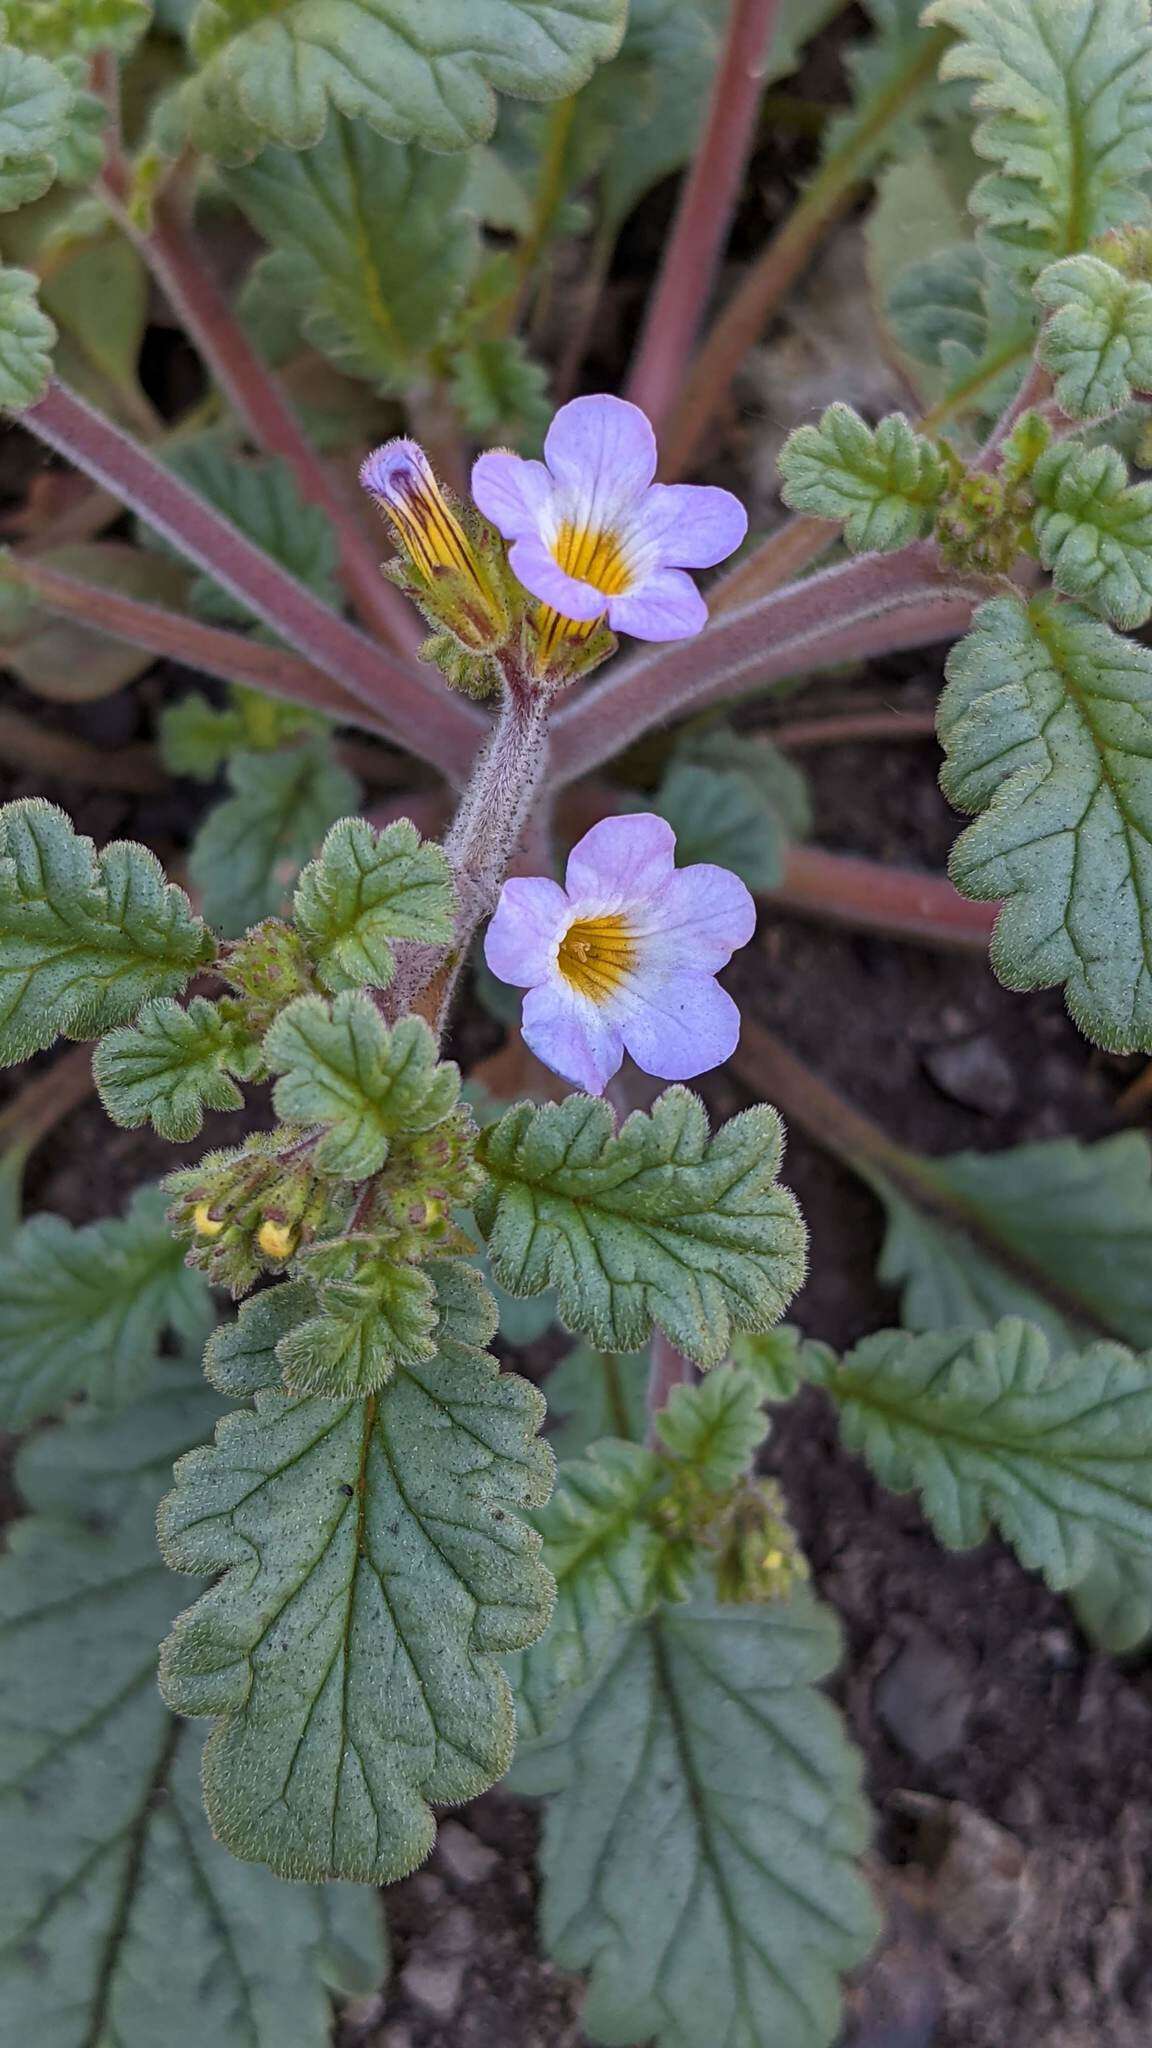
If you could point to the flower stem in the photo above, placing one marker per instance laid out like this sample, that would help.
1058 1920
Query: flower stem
404 703
838 729
870 896
742 321
870 605
703 220
667 1368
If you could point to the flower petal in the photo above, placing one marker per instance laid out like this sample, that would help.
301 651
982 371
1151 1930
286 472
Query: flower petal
689 526
514 494
620 862
603 451
520 943
540 573
696 921
397 464
665 606
679 1027
573 1036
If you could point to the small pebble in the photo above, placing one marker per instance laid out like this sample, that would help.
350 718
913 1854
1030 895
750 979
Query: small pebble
434 1982
924 1699
463 1855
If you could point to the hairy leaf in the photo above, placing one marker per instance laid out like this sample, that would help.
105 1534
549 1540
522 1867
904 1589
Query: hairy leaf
263 499
197 737
35 102
27 338
378 1315
705 1733
1094 530
120 1917
1113 1601
372 1570
500 392
715 1426
1064 88
85 939
593 1394
341 1066
883 483
1098 343
246 854
82 1311
170 1066
61 28
1045 725
782 1361
241 1358
410 74
719 815
370 245
366 888
992 1432
660 1222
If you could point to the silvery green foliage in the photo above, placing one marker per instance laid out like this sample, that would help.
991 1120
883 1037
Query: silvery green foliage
1094 530
1098 341
85 939
991 1431
1044 725
365 889
340 1066
27 338
120 1917
882 484
703 1731
372 1567
659 1223
172 1065
281 805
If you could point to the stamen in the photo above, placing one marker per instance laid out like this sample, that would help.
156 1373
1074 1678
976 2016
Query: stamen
596 955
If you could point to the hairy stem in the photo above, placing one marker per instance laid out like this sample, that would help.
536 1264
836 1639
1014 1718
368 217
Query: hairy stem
704 215
870 896
424 719
870 605
667 1368
747 313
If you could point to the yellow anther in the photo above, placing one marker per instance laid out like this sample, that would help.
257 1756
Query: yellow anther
207 1225
276 1240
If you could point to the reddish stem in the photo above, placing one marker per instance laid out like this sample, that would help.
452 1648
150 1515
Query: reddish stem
404 703
46 1100
668 1368
870 896
844 728
871 605
704 215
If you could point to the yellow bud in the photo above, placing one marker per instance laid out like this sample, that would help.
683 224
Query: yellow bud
276 1240
207 1225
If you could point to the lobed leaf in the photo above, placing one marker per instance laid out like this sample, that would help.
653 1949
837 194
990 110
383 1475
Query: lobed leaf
366 888
719 815
1098 343
1113 1601
35 102
85 939
342 1067
373 1568
264 500
1045 726
716 1426
882 483
61 28
1094 530
660 1222
170 1066
409 74
1064 89
120 1917
704 1733
593 1394
82 1311
383 1314
992 1432
27 338
248 849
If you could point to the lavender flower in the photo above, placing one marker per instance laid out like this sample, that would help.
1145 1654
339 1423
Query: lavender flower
624 956
453 587
592 534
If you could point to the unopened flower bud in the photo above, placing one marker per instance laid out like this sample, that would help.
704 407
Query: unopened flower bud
449 580
276 1240
206 1224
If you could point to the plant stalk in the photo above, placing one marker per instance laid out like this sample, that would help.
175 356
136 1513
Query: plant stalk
668 1368
867 895
703 222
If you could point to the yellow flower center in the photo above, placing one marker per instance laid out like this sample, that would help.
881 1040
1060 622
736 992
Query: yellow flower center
276 1240
596 955
593 555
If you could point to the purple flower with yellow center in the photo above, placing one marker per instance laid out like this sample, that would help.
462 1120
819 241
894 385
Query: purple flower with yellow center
624 956
592 534
400 478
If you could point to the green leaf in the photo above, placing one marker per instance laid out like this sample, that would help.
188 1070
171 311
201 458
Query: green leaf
247 852
499 391
1044 725
35 102
782 1361
659 1223
1113 1602
376 1314
120 1917
1098 343
263 499
85 939
371 246
366 888
341 1066
61 28
593 1394
605 1558
883 483
170 1066
27 338
82 1311
1060 1233
241 1357
408 74
705 1733
716 1426
197 737
780 786
992 1432
1064 88
1094 530
718 815
373 1569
